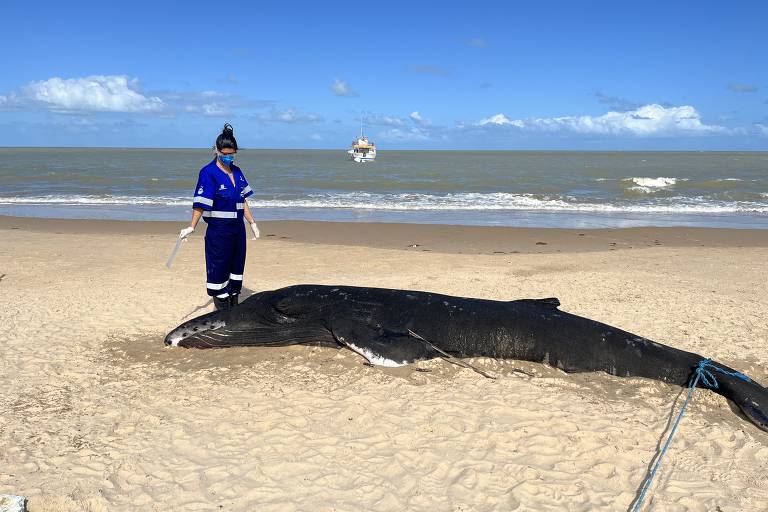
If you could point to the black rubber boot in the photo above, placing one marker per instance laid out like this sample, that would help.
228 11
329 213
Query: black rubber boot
221 304
232 301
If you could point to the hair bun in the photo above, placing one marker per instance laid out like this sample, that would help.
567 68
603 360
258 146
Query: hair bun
226 139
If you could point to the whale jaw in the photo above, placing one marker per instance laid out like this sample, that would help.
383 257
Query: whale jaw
185 334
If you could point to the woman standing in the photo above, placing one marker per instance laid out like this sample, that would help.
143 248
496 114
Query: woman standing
220 200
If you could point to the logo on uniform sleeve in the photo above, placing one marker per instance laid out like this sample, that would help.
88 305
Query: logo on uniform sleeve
222 187
200 191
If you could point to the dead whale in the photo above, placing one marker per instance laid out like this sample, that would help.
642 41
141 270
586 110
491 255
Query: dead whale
398 327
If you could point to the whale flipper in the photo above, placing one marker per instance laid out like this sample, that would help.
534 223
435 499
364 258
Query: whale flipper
382 347
547 301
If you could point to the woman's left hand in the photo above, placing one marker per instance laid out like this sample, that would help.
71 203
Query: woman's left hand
255 230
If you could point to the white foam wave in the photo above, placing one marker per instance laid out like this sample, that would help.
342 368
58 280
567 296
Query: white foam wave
650 185
422 202
97 200
654 182
502 201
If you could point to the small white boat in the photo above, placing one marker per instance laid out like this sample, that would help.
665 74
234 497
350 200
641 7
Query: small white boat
363 150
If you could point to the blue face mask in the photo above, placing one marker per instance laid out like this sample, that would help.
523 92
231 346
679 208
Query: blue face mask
227 159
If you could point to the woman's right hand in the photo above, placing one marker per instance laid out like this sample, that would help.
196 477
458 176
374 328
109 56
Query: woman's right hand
186 232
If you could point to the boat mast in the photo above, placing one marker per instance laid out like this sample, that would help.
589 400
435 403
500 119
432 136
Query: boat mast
361 125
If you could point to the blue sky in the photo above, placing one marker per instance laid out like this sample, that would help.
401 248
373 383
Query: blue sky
432 75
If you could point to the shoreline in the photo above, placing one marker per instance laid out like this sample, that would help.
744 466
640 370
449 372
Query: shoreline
563 219
443 238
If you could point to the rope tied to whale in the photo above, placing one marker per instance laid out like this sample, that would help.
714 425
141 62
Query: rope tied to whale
707 377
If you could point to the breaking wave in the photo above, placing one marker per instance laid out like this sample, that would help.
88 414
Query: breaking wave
650 185
498 201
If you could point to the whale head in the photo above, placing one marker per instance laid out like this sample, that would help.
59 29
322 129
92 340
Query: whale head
186 334
263 319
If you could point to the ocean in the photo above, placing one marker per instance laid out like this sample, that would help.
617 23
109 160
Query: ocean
493 188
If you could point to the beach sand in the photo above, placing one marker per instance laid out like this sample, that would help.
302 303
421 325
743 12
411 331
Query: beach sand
98 416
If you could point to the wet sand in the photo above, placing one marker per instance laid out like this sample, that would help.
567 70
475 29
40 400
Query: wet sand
428 237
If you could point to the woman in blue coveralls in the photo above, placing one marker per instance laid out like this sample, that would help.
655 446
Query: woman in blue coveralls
220 200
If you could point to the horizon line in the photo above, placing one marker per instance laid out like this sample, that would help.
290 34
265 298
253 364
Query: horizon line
412 150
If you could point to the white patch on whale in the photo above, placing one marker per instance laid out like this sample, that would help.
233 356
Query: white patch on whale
372 357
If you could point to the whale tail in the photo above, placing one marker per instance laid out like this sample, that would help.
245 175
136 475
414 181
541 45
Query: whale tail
756 415
748 395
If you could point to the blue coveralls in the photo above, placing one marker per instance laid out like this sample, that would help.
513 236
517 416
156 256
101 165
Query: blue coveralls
223 205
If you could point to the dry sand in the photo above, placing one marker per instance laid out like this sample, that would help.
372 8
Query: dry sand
98 416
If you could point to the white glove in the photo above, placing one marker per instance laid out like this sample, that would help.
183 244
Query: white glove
186 232
255 230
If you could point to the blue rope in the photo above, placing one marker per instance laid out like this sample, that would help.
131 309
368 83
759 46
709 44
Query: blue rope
708 378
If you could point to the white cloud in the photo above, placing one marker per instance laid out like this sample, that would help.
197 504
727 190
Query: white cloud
647 120
215 110
96 93
218 105
418 118
342 88
289 115
292 116
209 103
404 134
500 120
384 120
397 122
762 129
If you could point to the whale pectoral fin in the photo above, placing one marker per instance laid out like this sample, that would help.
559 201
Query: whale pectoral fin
548 301
382 347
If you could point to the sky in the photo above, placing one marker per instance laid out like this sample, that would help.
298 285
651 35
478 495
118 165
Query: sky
423 75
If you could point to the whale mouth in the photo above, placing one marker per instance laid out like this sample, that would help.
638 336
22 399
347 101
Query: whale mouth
189 330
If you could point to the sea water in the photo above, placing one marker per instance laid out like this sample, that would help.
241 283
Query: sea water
507 188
